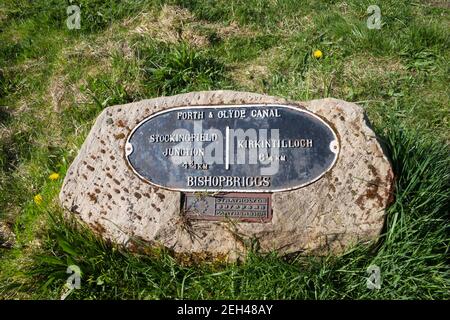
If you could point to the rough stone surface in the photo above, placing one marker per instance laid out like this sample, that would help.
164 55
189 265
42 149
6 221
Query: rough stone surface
7 237
344 207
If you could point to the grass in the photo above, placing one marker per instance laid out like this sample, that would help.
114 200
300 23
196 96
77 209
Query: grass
55 81
182 69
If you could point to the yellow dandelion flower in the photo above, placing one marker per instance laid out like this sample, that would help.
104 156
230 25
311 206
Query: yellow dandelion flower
317 54
54 176
37 199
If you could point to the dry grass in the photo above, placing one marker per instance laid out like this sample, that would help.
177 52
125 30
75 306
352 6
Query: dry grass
171 25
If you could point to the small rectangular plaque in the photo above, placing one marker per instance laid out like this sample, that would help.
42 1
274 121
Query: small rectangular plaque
246 207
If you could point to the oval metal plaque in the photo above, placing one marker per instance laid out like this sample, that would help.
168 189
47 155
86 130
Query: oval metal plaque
240 148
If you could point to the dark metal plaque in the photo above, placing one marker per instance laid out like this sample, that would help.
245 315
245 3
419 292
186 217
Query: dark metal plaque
246 207
242 148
